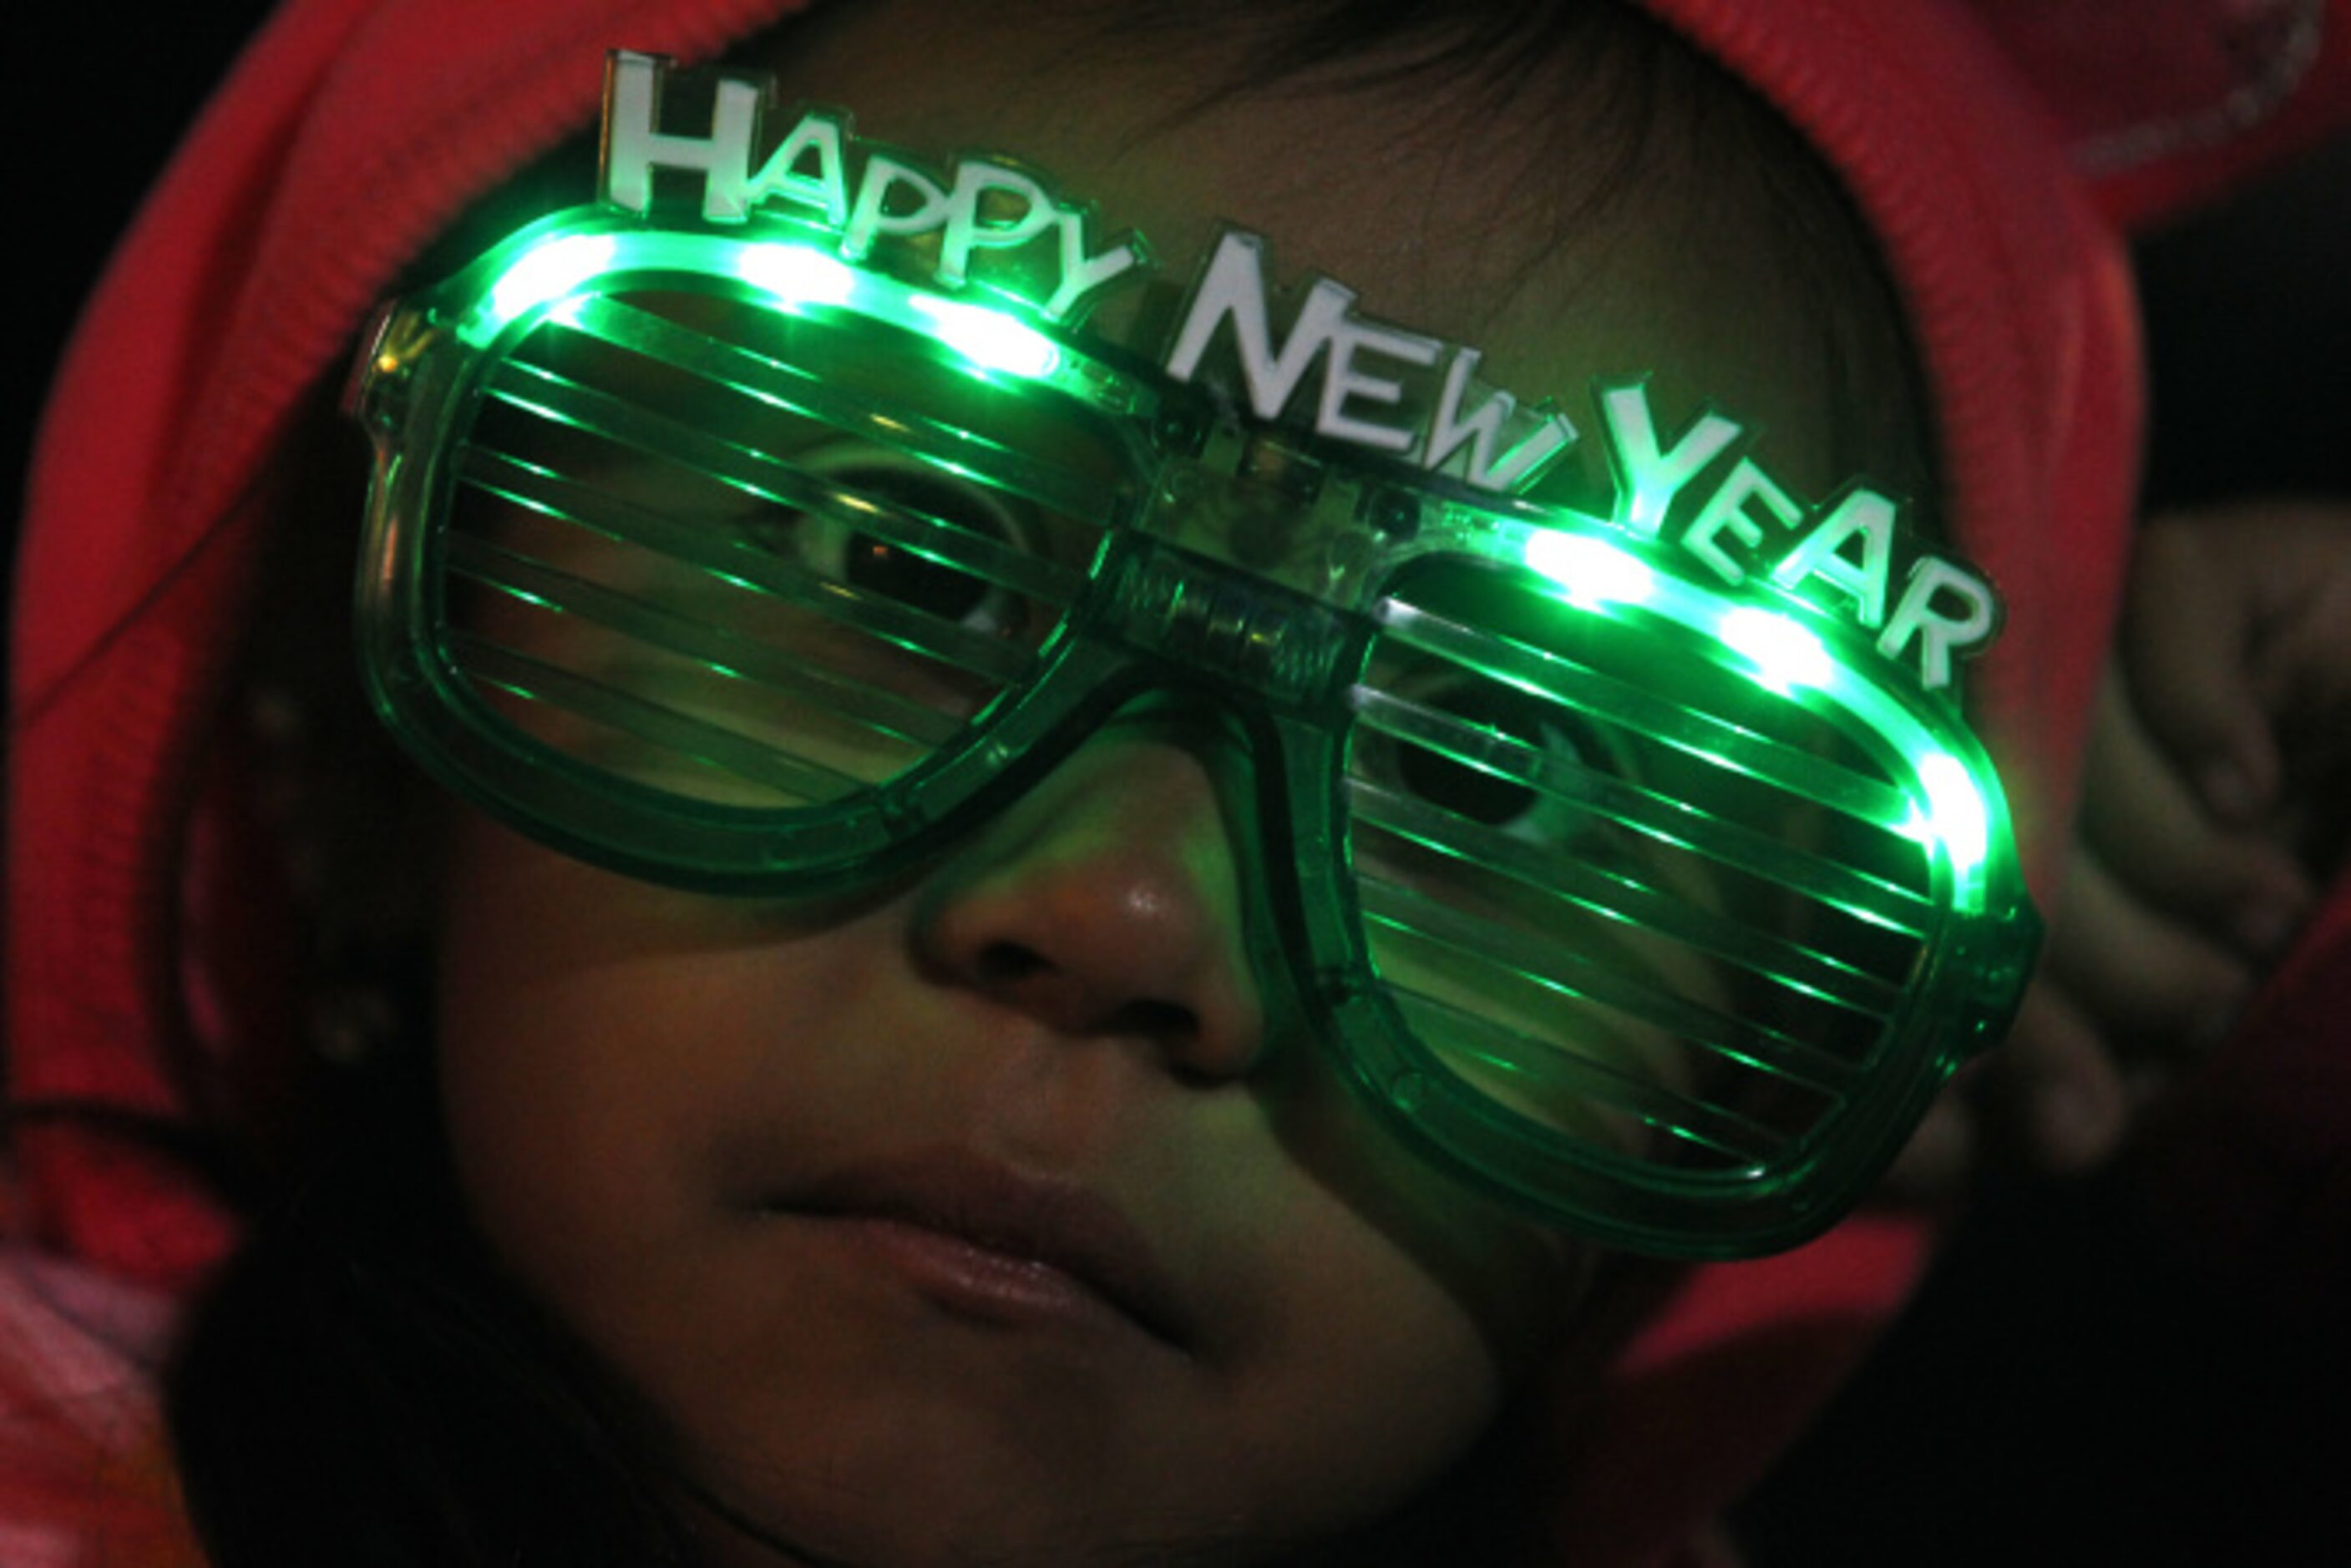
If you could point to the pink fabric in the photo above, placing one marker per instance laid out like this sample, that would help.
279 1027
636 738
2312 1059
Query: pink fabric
85 1481
2168 103
230 302
1723 1379
354 130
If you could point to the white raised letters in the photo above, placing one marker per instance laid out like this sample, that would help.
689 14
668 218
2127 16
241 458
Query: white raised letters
825 192
1084 274
809 175
872 216
1647 475
1001 227
965 232
1482 432
1863 517
635 148
1726 512
1344 381
1939 635
1232 292
1232 289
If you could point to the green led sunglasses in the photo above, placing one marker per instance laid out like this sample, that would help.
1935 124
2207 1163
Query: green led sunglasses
1657 907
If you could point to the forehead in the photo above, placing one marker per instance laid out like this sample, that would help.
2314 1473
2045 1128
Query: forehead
1446 209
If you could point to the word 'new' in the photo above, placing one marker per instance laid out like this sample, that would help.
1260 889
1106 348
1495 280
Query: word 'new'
1748 525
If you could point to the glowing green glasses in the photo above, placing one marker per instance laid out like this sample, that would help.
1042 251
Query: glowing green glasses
1656 908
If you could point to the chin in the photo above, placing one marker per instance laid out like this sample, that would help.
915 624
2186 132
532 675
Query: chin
910 1527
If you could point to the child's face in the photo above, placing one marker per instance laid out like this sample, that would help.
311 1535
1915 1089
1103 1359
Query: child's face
696 1127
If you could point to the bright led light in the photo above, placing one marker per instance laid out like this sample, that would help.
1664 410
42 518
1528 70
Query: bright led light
1959 818
548 272
797 275
986 338
1593 572
1786 655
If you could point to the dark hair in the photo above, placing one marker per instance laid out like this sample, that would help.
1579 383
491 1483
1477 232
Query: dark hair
363 1384
1646 129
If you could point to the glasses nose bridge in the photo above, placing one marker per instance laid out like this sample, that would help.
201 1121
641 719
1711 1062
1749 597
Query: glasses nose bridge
1216 624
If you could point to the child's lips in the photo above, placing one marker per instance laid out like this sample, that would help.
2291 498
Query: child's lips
992 1241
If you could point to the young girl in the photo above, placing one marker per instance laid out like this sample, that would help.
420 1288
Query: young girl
1098 1146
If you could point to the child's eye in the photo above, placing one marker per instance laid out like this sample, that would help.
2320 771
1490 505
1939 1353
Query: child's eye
1493 798
833 547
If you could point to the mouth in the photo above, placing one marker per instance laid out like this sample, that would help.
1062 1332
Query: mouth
988 1242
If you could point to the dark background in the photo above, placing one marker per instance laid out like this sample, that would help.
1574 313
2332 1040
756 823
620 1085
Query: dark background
97 95
2078 1384
2085 1381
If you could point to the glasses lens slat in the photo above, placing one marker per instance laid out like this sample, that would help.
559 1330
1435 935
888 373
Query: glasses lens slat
729 557
1552 873
798 391
1477 943
680 736
778 483
1552 1073
735 656
1622 702
1657 816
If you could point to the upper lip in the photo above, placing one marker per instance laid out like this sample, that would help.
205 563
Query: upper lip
1049 1220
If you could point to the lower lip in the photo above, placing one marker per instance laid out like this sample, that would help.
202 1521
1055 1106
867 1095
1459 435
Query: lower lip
973 1281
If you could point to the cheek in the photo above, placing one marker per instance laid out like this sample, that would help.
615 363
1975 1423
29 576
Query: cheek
589 1031
1374 1379
541 1064
557 1123
1392 1318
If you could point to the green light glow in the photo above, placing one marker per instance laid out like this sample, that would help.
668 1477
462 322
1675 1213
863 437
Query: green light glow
1560 651
1943 803
987 338
1593 572
1959 818
547 272
797 275
1786 655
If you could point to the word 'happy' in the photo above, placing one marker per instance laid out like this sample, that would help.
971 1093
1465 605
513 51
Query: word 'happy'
990 206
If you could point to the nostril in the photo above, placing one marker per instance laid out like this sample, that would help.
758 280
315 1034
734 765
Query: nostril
1007 964
1171 1023
1174 1028
1014 970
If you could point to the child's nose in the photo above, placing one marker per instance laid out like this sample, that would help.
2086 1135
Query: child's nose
1107 902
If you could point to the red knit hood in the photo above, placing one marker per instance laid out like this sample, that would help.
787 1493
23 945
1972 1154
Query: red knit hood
354 130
